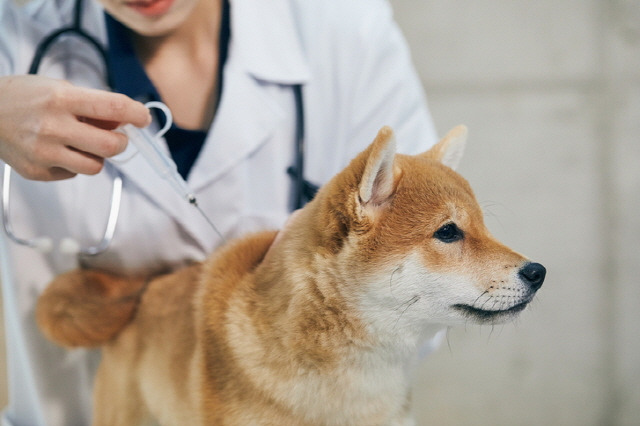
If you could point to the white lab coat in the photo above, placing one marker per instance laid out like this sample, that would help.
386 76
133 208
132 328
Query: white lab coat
357 76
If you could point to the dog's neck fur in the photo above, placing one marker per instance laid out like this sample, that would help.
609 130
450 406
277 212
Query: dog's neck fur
302 319
301 323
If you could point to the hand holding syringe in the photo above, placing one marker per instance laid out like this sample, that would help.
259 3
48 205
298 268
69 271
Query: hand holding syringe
147 145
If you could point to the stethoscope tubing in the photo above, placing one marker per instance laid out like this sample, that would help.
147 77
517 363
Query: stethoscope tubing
68 244
6 208
114 212
75 29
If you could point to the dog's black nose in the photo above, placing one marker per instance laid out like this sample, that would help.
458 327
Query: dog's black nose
533 274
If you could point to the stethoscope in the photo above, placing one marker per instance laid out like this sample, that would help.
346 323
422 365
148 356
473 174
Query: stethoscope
302 191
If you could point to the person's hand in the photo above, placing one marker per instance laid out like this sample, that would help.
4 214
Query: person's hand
51 130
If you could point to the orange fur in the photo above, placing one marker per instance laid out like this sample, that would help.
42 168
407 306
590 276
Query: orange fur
87 308
314 327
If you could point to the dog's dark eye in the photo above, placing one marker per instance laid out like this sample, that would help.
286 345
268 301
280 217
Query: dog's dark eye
449 233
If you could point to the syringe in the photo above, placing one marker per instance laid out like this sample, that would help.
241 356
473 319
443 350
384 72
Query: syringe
163 165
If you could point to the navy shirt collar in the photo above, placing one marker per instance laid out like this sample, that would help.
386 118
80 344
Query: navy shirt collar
127 73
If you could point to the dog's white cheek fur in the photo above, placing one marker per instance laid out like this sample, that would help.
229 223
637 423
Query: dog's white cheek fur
409 304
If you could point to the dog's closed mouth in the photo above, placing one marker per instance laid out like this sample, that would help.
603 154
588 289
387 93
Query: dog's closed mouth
483 315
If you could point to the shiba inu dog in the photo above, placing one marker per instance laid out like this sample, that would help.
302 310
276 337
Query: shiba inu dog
313 327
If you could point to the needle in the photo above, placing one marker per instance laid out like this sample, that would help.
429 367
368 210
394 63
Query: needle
194 203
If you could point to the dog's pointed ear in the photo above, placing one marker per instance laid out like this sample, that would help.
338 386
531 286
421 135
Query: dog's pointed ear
450 149
377 182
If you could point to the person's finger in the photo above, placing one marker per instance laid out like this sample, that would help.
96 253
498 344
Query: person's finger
95 141
79 162
43 174
103 124
57 173
106 106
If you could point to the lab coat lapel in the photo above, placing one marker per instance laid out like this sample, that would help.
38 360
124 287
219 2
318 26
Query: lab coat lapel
245 120
265 50
140 176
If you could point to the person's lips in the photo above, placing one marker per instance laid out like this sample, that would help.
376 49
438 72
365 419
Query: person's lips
150 7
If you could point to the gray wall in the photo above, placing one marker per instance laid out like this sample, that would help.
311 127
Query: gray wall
550 91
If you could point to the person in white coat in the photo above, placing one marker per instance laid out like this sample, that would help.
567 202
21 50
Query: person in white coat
227 72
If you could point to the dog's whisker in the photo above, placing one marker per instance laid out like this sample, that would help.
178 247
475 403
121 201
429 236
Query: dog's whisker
476 301
391 282
409 303
486 301
494 304
501 330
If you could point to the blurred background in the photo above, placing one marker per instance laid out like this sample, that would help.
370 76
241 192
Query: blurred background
550 91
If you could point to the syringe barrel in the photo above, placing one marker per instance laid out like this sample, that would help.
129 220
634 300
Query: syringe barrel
149 149
157 158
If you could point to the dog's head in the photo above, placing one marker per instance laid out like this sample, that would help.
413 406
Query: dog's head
408 235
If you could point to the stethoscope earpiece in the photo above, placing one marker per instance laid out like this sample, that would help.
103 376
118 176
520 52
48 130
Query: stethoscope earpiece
42 244
69 246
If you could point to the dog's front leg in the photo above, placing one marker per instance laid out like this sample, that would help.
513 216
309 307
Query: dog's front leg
117 401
